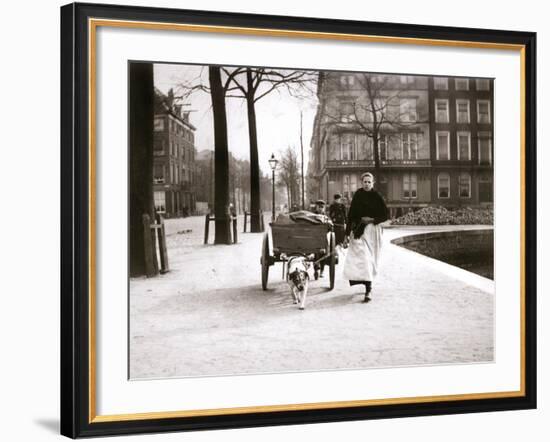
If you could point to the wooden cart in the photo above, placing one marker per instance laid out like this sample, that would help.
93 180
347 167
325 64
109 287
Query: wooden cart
316 242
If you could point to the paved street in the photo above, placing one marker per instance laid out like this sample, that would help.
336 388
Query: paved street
209 315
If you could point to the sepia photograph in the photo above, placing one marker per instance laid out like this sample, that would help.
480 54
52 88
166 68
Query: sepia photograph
276 220
295 220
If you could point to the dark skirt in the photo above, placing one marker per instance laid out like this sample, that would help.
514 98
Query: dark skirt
339 233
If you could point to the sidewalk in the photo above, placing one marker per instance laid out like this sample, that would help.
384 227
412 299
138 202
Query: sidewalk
209 316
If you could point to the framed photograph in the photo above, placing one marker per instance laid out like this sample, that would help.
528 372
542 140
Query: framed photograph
273 220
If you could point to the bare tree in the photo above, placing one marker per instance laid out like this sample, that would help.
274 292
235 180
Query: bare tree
289 176
378 109
252 84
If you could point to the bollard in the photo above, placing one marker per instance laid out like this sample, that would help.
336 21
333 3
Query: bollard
235 230
206 225
161 232
151 268
245 217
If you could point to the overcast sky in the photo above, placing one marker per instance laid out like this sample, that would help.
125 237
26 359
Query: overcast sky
277 116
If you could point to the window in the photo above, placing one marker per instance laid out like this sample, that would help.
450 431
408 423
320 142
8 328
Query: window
463 145
443 150
159 124
409 142
462 111
333 148
464 185
461 84
483 111
393 109
393 147
347 81
348 147
406 79
383 147
407 109
482 84
443 185
347 110
160 201
484 150
158 146
158 174
409 185
485 189
365 150
380 109
345 180
441 83
441 111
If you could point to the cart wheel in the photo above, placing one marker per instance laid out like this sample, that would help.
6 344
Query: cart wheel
332 259
265 261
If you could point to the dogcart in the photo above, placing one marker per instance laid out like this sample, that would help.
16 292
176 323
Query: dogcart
315 242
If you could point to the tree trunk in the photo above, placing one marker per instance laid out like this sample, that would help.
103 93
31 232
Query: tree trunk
141 165
255 225
221 156
288 198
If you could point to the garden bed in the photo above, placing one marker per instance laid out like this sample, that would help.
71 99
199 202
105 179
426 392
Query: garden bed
434 216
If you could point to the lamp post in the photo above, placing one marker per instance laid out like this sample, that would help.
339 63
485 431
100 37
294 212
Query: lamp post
273 164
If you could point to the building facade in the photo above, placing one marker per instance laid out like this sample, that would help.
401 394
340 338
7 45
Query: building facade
461 118
174 159
434 143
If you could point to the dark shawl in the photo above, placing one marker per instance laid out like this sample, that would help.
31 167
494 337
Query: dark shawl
337 213
365 203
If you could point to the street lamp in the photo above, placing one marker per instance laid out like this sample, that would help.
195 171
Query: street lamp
273 164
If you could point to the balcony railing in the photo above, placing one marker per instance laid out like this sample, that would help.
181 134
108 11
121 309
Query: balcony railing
393 162
339 164
349 163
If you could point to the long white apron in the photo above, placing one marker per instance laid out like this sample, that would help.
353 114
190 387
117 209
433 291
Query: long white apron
363 255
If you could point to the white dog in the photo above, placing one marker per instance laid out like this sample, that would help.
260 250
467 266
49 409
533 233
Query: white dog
297 277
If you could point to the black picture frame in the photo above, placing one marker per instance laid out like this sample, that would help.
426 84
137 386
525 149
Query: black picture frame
76 402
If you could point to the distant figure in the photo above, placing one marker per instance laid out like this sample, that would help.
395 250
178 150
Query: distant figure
367 211
320 208
232 210
337 213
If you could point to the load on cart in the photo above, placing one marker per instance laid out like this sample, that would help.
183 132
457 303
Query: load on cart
304 234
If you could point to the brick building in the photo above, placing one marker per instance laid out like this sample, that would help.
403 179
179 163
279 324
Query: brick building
434 139
461 118
174 158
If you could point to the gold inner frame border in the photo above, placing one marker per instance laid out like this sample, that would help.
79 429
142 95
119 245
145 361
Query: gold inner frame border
93 24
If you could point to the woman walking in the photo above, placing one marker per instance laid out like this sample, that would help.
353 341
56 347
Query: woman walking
367 211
